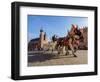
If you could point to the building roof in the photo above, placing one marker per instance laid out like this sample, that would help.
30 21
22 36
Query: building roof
36 39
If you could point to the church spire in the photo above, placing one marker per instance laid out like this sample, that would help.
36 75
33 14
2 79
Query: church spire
41 30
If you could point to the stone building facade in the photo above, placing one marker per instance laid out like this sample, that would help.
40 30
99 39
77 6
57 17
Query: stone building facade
38 43
84 44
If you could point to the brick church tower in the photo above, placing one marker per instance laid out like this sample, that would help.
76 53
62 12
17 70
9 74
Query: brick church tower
43 38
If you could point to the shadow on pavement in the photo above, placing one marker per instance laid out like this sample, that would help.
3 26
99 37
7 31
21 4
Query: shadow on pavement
40 57
44 57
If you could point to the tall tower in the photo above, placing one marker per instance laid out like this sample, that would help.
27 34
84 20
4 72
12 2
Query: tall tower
45 36
41 38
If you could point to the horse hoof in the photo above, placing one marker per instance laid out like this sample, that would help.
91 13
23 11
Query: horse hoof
66 54
75 56
58 52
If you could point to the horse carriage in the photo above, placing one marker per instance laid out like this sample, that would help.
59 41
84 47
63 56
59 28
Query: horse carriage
70 42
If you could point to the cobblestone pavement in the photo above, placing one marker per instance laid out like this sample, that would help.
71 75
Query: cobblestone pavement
48 59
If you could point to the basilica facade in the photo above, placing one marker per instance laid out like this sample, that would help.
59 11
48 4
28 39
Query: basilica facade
39 43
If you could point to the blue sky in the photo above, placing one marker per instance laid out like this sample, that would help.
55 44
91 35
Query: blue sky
58 25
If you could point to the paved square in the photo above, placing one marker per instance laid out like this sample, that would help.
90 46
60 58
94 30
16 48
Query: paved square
48 59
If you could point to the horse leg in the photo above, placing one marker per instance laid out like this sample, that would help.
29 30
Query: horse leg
67 53
52 50
75 48
63 50
72 49
59 49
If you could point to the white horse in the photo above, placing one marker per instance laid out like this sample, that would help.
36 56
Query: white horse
52 45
